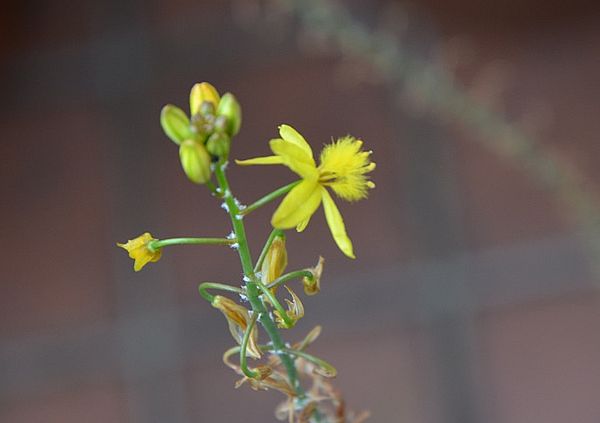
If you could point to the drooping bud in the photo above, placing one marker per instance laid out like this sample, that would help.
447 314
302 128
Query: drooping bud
200 93
218 144
275 261
230 108
312 285
195 161
175 123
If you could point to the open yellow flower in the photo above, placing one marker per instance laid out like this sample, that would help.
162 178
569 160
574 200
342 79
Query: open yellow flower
343 168
140 252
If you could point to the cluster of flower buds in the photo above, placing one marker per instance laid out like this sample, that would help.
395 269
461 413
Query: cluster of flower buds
206 136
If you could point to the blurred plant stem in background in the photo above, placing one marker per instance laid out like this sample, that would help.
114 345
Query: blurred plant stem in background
432 88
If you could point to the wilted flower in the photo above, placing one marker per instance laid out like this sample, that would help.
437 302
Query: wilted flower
238 319
294 312
312 285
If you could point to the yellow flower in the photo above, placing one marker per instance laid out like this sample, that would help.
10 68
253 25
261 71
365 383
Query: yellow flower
343 168
139 251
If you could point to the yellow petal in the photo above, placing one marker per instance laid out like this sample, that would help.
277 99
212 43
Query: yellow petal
298 205
267 160
302 225
141 260
291 135
336 224
295 158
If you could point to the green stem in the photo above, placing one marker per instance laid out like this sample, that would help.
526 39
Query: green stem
269 197
290 276
271 329
213 189
236 219
243 359
204 286
153 245
265 250
252 290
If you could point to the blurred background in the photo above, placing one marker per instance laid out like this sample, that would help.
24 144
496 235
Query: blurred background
474 295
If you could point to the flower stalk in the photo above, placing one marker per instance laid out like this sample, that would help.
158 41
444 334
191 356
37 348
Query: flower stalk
252 289
205 286
156 245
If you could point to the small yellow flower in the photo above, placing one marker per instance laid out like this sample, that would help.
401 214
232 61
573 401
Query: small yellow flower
343 168
139 251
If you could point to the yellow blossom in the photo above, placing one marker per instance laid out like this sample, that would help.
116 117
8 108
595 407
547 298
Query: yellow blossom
343 168
139 251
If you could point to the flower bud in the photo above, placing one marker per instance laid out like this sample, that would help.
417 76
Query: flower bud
218 144
230 108
200 93
275 261
195 161
175 123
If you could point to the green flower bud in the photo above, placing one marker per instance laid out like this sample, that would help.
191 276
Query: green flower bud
218 144
195 161
175 123
230 108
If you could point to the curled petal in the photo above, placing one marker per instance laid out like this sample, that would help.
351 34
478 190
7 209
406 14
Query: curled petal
298 205
336 224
